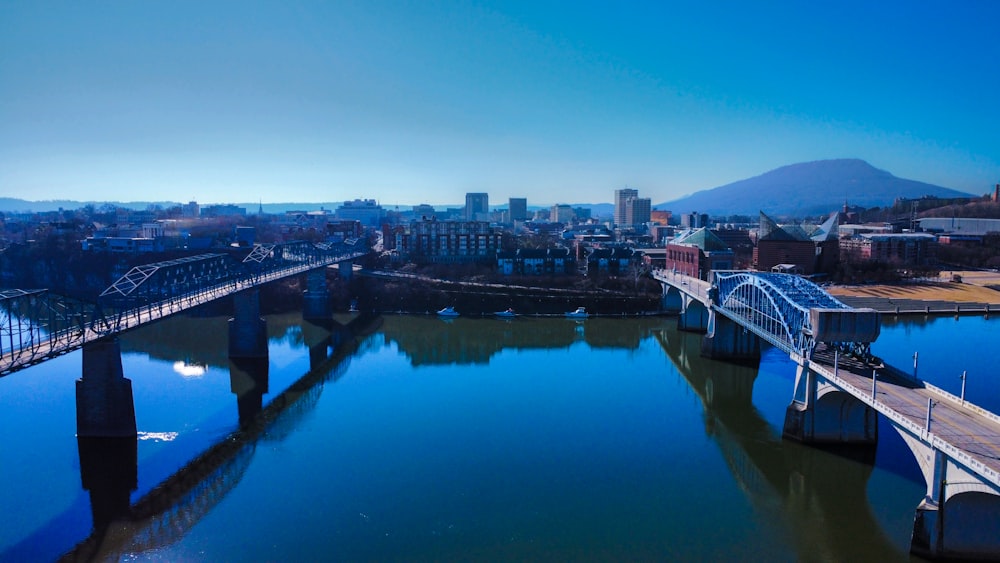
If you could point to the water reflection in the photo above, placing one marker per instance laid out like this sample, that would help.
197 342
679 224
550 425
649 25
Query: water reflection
164 515
199 341
476 341
816 497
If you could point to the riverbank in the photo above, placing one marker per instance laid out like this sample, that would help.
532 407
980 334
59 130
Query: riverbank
975 293
390 292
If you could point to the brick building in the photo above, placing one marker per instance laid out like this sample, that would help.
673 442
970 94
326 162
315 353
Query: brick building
448 241
696 253
792 247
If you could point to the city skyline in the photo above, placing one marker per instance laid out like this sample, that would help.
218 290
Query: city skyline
410 104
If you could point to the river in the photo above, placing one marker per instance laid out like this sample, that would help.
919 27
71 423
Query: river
426 439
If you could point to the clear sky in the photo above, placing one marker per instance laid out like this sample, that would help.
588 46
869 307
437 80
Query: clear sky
413 102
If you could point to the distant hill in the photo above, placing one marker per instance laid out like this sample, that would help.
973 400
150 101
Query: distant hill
16 205
808 189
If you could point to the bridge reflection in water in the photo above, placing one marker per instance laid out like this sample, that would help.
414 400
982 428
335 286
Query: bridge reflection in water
165 514
817 497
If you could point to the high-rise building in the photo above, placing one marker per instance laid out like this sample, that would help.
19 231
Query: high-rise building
518 209
637 210
694 220
621 196
477 206
561 213
368 211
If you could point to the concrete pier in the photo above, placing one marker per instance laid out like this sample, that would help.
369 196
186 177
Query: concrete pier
694 316
316 299
730 342
820 413
346 268
104 407
671 301
247 329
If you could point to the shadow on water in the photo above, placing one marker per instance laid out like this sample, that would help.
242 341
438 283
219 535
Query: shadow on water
108 467
814 497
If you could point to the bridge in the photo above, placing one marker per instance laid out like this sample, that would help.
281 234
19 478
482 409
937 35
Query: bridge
840 388
167 511
36 325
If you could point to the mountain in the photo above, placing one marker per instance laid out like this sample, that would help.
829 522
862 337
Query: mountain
808 188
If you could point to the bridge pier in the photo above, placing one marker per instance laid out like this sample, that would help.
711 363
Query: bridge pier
731 342
316 300
820 413
959 517
104 407
346 268
671 301
694 315
247 329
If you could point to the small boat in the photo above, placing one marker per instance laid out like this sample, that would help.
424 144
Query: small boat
354 306
580 313
508 314
448 312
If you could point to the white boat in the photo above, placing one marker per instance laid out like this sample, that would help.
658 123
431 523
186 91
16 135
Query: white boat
580 313
508 314
448 312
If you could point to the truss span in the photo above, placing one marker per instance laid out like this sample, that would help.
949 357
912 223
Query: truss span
36 325
791 312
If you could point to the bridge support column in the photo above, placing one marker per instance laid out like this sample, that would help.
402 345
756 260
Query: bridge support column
671 301
822 414
104 407
731 342
247 329
346 269
959 517
694 316
316 301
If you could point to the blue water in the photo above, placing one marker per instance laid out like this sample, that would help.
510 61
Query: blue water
475 439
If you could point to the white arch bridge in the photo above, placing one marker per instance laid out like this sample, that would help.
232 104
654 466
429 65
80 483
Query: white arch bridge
840 388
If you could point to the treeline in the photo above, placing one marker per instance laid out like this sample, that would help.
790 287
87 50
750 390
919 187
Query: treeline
983 209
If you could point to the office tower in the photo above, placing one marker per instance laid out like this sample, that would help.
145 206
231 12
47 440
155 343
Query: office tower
621 196
518 209
477 206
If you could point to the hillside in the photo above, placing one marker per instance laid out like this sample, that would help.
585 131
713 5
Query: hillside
808 189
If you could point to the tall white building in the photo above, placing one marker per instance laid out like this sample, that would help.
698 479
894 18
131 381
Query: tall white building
622 196
561 213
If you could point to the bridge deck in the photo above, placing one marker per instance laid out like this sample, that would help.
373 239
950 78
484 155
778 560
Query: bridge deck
966 433
966 428
72 338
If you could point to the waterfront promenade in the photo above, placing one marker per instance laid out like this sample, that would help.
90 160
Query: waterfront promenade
977 293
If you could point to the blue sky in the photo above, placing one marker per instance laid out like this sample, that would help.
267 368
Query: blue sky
413 102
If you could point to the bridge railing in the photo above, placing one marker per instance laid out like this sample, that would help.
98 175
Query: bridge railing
35 325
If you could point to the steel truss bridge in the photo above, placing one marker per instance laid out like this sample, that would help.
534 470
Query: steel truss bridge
777 307
37 325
